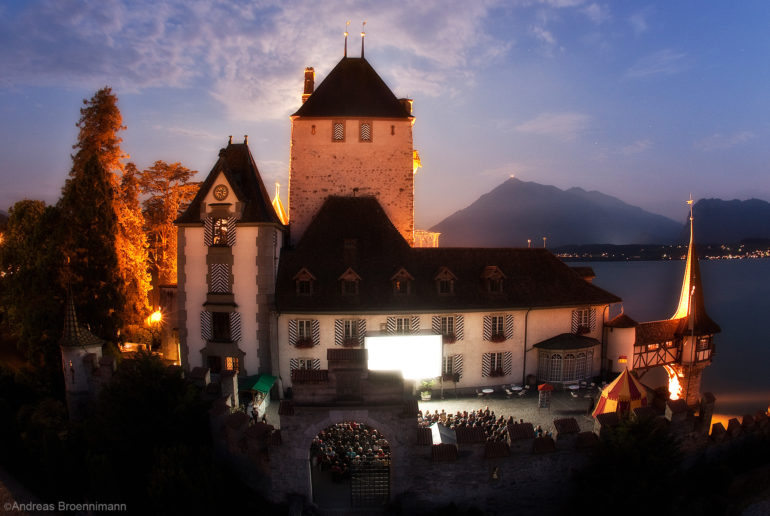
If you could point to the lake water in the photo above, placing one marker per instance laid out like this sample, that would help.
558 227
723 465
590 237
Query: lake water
737 295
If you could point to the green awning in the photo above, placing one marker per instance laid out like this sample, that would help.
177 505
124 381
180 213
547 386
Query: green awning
264 383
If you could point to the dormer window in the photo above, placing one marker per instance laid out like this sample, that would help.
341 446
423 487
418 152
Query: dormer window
445 282
304 282
349 282
365 131
401 281
338 131
493 279
219 236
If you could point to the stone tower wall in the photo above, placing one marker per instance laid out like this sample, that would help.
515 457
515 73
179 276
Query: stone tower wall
321 167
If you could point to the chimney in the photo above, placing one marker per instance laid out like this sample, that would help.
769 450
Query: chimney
309 83
407 105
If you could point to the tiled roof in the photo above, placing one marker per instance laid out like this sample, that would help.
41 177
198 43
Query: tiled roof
74 335
567 425
533 277
656 331
352 89
309 376
424 436
647 412
621 321
608 418
237 420
677 406
241 172
584 271
410 408
567 341
470 435
519 431
496 450
443 452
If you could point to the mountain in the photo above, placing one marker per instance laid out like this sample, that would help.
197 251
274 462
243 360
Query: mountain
730 222
519 210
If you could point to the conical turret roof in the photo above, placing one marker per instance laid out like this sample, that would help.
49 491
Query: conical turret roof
691 310
74 335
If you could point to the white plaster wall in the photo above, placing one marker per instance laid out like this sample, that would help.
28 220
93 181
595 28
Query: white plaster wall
245 290
543 324
320 167
620 341
195 289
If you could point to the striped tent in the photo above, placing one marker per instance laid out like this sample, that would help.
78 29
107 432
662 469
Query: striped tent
622 395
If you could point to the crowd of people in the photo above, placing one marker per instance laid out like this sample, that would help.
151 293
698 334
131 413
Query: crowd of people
345 445
494 427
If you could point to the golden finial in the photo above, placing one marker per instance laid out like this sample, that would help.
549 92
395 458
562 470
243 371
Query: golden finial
346 37
363 34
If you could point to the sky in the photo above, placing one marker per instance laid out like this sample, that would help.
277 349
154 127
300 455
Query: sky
646 101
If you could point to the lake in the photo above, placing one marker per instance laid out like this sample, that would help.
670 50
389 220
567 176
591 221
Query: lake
737 295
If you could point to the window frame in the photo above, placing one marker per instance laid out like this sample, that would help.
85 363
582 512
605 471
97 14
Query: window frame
361 124
334 125
403 325
221 329
219 232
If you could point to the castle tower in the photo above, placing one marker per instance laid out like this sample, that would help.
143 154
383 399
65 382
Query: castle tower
229 242
351 137
81 352
695 329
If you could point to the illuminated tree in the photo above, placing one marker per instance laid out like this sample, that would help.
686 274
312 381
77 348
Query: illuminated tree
132 247
169 192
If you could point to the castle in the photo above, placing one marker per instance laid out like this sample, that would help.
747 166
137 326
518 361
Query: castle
331 307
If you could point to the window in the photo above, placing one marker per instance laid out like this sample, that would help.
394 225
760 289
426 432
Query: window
704 343
496 360
448 326
569 367
304 330
349 288
445 287
365 131
653 347
232 364
493 279
495 286
351 330
215 363
401 281
338 131
583 320
401 287
220 322
580 366
554 375
220 232
498 325
304 363
304 287
447 365
403 325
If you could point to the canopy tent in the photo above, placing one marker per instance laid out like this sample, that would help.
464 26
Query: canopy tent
264 383
624 394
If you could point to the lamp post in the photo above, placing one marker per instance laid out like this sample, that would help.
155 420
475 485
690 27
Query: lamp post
154 321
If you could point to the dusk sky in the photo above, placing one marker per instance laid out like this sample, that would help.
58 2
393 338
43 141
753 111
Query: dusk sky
646 101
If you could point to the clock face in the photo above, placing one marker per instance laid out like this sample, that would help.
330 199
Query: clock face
220 192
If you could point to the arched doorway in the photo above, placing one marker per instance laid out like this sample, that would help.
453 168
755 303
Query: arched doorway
350 466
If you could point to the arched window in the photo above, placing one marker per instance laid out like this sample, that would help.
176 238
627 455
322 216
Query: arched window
555 370
580 366
542 370
569 367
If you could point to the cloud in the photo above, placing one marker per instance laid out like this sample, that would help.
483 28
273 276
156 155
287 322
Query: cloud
638 20
185 131
664 62
249 56
720 141
636 147
597 13
566 126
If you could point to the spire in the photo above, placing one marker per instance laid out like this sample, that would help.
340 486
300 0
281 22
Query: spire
73 335
346 38
363 35
278 205
692 308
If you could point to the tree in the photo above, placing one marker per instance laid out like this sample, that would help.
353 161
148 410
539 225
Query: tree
100 209
30 265
132 247
169 192
90 226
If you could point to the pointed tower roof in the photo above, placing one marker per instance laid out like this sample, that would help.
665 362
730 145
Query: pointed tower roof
353 88
238 166
74 335
278 206
691 310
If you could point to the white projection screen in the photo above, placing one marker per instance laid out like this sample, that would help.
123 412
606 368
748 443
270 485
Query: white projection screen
416 356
